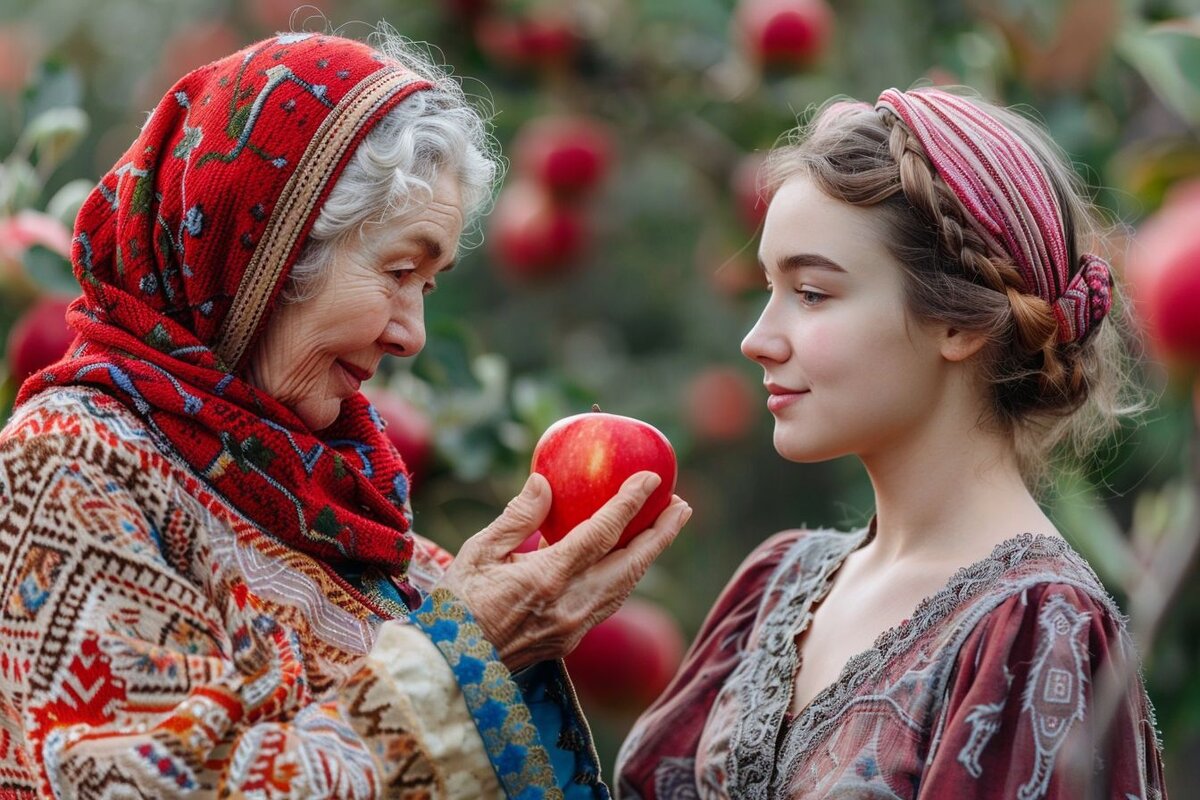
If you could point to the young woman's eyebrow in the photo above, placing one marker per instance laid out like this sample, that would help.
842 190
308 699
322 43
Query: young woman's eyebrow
791 263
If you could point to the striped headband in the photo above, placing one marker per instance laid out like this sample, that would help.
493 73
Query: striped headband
1010 202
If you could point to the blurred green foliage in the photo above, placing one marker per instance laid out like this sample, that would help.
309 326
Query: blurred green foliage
650 305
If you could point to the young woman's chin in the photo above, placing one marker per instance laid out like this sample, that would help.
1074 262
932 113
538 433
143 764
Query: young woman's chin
800 451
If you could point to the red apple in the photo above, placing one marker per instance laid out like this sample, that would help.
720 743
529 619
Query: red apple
532 235
626 661
566 154
40 337
542 41
588 456
784 33
1164 275
749 197
408 428
719 404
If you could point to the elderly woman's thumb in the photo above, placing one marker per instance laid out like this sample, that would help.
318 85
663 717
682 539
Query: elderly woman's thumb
524 513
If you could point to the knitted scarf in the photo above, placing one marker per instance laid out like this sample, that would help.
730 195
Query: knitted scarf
182 251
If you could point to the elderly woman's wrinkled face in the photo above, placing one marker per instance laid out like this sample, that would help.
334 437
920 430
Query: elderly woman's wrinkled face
315 353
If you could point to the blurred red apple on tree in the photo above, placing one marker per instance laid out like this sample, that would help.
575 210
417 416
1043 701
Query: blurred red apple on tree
408 428
532 235
540 40
784 33
566 154
719 404
18 43
39 337
586 458
626 661
1163 272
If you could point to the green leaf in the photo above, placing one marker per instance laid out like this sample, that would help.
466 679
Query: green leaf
50 270
19 185
1168 57
66 202
53 134
56 85
448 356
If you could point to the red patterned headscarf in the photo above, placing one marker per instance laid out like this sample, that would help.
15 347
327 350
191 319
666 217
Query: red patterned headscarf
182 251
1010 201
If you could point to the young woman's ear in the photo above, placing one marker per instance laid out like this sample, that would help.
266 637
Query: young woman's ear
959 345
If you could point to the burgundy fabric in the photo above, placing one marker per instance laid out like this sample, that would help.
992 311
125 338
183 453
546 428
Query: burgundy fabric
985 735
161 248
1010 200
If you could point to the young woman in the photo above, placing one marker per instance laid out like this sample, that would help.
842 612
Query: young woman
937 309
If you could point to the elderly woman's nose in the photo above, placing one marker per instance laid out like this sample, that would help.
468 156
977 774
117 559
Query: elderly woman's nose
404 337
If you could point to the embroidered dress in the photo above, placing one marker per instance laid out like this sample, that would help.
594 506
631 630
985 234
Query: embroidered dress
985 692
199 596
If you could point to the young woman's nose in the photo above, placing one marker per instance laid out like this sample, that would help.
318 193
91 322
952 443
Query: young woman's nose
764 342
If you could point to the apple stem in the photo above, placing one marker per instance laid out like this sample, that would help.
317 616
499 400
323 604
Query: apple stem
595 406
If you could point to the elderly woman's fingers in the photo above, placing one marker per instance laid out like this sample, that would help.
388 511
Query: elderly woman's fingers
521 517
589 541
625 567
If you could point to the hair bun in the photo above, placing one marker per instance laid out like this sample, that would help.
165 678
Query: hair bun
1086 300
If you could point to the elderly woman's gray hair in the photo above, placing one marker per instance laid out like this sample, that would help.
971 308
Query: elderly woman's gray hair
392 172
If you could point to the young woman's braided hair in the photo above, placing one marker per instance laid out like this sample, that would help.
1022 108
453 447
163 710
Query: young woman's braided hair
1051 394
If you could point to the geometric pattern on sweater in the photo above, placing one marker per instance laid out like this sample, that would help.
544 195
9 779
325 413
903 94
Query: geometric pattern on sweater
154 643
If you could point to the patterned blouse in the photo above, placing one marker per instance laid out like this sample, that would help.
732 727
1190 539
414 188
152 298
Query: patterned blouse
985 692
155 644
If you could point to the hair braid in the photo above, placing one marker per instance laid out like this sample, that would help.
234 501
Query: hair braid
1048 395
1034 326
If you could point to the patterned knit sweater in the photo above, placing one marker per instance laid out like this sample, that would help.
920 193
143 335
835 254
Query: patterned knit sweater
153 643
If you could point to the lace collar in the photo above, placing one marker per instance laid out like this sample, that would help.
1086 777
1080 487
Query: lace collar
764 680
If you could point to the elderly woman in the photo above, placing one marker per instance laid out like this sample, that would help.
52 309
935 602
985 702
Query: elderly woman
209 585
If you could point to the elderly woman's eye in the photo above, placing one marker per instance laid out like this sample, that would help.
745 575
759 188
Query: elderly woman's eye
429 288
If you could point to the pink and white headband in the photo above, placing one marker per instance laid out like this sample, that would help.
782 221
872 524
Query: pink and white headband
1010 202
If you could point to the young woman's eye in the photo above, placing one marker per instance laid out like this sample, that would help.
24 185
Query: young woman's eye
811 297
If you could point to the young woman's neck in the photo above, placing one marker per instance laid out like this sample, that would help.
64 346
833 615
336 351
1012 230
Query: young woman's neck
950 489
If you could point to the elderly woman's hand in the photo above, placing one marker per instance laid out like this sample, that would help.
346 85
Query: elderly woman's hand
536 606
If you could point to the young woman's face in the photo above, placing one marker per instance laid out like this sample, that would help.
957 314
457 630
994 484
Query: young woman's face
847 369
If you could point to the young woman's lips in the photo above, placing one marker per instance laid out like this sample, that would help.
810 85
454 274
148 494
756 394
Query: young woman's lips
780 398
